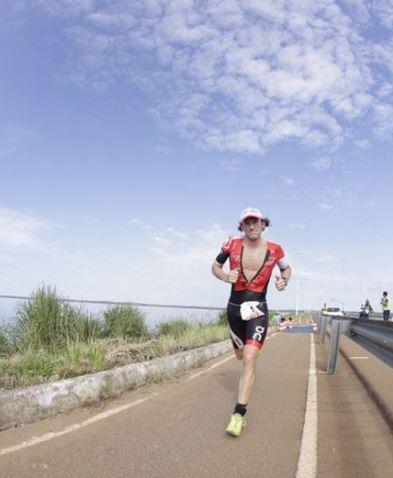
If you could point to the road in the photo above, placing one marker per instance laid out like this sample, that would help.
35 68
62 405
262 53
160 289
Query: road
176 429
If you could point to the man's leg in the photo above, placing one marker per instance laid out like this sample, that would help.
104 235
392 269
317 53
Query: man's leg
247 379
246 385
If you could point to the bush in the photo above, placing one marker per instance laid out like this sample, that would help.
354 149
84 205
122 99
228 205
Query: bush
176 328
222 318
126 322
88 328
5 346
47 322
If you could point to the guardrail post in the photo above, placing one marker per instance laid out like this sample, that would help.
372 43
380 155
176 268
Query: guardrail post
322 328
333 349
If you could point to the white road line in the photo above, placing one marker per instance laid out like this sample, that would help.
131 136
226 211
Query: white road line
195 375
49 436
358 358
307 464
101 416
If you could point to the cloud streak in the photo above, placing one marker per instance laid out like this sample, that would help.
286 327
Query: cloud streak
20 230
241 76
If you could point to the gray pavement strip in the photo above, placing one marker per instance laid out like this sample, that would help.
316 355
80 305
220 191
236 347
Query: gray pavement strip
22 406
372 379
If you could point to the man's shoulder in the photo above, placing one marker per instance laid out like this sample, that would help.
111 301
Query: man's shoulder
274 245
276 250
232 241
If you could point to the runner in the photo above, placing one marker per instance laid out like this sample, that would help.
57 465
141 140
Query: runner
251 261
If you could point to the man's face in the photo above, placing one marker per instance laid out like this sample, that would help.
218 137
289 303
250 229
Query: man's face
253 228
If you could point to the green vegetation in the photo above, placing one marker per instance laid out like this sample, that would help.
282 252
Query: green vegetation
5 346
176 328
46 322
52 340
222 318
126 322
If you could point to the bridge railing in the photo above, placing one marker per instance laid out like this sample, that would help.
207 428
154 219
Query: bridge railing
373 331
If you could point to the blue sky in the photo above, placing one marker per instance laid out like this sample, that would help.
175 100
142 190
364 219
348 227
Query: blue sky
132 134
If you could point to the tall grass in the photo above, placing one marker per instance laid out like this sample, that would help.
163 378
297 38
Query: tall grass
222 318
5 346
53 340
176 328
47 322
126 322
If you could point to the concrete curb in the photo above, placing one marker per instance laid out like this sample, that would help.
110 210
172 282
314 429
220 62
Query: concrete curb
375 375
28 405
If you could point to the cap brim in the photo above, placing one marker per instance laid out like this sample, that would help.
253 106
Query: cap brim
251 215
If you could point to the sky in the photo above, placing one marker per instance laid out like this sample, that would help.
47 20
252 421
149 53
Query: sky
133 133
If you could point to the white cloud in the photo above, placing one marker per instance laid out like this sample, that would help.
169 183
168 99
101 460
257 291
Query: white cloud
296 225
163 150
325 206
231 165
238 76
321 164
383 120
19 230
288 181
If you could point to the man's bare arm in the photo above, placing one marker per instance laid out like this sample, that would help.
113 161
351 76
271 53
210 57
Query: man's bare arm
217 270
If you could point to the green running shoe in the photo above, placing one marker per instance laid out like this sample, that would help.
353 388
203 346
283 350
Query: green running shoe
235 425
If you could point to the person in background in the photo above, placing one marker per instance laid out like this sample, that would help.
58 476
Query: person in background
385 306
368 310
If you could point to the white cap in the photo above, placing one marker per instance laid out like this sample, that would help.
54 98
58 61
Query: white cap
250 212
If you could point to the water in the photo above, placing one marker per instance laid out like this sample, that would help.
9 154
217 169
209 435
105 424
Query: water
153 315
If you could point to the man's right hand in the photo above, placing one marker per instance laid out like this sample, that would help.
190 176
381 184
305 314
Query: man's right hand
233 276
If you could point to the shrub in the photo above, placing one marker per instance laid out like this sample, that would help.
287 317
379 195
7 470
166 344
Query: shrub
126 322
176 328
5 346
47 322
222 318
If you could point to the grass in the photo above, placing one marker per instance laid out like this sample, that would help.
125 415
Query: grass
47 322
35 367
126 322
52 340
5 346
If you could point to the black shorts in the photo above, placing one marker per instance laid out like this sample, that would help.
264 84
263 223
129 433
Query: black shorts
247 332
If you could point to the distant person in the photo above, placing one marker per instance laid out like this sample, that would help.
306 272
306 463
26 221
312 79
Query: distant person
367 310
251 261
361 313
385 306
283 324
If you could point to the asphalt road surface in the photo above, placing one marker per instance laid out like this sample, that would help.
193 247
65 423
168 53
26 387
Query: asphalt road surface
176 429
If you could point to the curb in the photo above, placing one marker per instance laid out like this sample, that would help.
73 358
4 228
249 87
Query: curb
28 405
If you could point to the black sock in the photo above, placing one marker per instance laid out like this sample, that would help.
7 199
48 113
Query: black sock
241 409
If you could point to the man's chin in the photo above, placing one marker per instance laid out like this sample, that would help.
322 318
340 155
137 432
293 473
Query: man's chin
253 237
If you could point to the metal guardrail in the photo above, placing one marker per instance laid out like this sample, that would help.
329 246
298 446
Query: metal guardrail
338 325
377 332
374 331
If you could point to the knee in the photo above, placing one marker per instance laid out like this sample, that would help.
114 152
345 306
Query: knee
249 361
